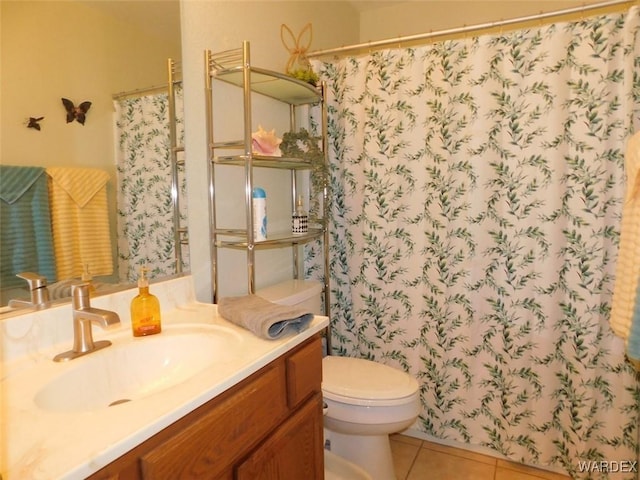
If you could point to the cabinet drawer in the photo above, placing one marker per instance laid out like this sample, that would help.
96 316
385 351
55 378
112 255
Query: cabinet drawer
207 448
304 372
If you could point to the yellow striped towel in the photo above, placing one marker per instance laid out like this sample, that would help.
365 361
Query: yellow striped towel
80 221
628 263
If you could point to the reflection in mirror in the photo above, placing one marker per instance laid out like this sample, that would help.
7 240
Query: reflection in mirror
150 166
118 162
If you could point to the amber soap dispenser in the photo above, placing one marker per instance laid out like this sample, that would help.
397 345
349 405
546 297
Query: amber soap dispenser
145 309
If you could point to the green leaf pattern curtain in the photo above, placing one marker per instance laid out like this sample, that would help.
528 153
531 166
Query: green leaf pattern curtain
145 209
477 188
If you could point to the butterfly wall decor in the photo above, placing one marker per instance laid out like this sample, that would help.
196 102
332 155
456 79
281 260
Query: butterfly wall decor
33 122
78 113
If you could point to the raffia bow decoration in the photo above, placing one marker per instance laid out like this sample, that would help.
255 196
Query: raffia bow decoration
298 65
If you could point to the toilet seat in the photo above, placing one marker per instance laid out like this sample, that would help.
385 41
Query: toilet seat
357 381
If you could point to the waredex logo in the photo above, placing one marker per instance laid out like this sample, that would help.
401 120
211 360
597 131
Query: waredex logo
608 466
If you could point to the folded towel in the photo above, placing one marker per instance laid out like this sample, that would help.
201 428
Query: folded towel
633 343
80 221
264 318
628 262
26 243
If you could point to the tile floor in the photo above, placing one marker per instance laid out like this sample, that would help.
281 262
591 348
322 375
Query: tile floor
416 459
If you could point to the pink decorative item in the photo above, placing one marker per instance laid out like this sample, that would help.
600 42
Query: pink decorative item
266 143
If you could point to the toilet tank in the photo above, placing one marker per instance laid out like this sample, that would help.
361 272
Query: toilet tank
302 293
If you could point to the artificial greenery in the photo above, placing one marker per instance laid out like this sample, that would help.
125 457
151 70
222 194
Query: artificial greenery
306 75
302 144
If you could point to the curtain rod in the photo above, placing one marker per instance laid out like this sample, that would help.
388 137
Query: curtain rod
470 28
140 92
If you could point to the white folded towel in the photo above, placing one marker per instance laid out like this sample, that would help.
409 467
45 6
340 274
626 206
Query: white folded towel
264 318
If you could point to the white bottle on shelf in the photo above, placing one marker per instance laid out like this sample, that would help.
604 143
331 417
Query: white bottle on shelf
259 199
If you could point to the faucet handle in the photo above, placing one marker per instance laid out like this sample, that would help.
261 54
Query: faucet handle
37 288
80 296
34 280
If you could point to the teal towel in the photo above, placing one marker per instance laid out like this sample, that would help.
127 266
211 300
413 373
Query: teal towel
26 243
633 342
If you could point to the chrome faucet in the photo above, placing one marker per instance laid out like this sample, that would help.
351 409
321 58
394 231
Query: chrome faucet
37 289
83 316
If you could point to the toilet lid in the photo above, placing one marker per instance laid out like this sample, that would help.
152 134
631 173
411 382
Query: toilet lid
363 382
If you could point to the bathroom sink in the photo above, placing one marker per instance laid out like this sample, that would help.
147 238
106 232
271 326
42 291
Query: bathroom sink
134 368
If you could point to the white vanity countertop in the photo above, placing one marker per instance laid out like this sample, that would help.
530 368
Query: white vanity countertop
41 444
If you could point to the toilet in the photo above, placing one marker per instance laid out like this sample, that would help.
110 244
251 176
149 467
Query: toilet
337 468
366 401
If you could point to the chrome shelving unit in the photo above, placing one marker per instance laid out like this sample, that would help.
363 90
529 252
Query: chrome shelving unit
180 234
234 67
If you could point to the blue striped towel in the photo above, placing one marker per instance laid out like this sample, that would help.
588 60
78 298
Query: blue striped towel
26 243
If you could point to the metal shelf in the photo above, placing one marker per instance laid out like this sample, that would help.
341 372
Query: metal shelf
278 239
228 67
285 163
180 234
234 67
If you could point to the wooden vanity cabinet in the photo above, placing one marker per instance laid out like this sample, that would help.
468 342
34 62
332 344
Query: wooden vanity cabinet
269 427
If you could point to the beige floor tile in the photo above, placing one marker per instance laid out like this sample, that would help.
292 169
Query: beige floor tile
434 465
404 454
528 472
506 474
417 459
405 439
459 452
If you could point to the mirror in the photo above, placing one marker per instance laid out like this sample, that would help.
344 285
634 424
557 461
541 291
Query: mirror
84 51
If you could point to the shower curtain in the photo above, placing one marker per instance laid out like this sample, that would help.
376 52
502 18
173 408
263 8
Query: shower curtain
145 209
477 188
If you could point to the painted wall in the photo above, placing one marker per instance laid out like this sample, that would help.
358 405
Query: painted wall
218 26
78 50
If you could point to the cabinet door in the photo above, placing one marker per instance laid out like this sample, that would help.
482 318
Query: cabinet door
293 451
209 447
